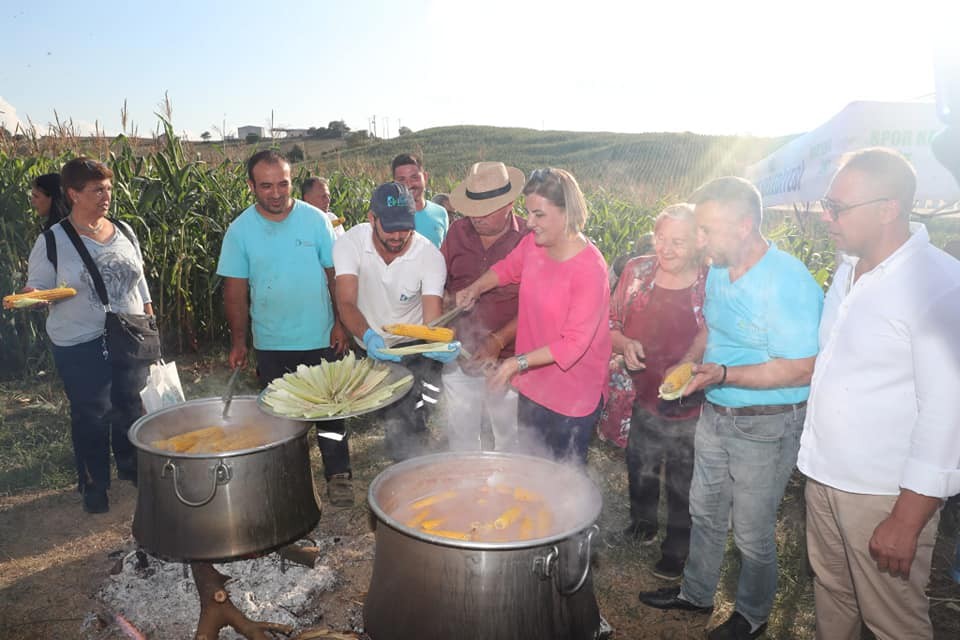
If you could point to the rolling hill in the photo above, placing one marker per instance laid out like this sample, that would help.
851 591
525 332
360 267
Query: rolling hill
645 165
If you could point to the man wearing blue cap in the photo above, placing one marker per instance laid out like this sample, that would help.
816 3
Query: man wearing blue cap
387 273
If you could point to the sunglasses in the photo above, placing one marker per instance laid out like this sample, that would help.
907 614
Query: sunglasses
836 208
540 175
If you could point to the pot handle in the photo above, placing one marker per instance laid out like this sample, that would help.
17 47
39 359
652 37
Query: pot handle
220 474
582 556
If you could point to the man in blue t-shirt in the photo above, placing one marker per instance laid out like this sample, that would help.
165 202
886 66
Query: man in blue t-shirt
430 219
277 265
762 313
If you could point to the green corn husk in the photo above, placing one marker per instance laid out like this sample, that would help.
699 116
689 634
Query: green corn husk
346 386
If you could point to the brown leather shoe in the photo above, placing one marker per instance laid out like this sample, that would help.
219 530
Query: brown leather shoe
340 490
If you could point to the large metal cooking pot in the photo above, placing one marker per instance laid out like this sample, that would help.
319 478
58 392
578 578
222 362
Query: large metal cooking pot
215 506
434 588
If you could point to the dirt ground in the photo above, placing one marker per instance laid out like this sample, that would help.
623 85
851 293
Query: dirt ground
54 558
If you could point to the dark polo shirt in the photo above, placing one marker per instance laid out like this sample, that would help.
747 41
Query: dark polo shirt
467 260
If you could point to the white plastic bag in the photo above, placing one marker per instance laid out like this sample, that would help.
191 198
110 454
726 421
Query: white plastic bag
163 387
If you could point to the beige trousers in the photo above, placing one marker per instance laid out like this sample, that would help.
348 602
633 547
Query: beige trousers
848 586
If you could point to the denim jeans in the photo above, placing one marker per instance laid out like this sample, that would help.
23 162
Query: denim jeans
273 364
104 402
549 434
655 441
742 463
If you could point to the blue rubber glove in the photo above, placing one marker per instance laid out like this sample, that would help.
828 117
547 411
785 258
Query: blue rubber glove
448 355
373 342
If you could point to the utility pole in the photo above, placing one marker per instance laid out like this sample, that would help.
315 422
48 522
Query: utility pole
374 118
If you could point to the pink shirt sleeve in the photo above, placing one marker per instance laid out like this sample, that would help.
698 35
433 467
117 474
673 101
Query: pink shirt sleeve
509 269
584 312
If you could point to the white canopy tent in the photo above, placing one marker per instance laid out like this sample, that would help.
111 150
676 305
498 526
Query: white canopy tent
798 173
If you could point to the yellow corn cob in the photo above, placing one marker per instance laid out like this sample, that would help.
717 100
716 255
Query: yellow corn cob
544 522
18 300
421 332
435 498
418 518
456 535
525 495
676 381
508 517
184 441
526 529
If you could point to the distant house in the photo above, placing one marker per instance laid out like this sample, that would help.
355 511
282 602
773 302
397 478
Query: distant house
279 132
243 132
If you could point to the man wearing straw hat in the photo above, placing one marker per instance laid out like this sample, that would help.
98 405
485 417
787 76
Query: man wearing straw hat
488 231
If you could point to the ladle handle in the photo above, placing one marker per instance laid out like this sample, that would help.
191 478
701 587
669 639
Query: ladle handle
228 394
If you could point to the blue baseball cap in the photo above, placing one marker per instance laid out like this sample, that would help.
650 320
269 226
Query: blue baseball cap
393 205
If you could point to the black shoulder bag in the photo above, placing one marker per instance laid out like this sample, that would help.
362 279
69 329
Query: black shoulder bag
130 338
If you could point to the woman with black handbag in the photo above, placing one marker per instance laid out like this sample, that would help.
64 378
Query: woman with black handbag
102 377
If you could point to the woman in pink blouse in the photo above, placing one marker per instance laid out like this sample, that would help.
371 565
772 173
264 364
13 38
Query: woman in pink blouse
563 336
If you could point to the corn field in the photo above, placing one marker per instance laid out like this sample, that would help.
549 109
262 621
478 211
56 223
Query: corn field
180 208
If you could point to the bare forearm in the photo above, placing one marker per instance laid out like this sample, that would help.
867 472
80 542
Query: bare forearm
618 340
507 332
914 509
237 307
332 289
352 319
779 372
432 308
540 357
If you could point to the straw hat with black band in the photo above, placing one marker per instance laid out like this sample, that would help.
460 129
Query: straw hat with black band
488 187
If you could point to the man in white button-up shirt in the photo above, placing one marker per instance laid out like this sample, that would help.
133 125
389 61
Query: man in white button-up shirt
881 441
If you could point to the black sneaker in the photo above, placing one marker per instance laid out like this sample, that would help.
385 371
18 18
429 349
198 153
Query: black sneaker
95 500
668 569
736 628
641 533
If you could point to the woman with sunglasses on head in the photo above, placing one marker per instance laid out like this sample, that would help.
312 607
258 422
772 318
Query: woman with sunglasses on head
47 198
563 337
104 395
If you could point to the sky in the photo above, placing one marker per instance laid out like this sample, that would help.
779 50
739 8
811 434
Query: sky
769 67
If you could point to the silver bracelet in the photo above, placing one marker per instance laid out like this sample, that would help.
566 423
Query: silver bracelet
522 364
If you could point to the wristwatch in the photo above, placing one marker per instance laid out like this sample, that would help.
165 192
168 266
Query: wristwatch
522 364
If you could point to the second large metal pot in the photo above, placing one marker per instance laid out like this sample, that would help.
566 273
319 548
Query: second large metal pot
433 588
220 506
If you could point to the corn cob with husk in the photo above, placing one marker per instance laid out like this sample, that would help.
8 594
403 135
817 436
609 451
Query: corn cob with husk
676 381
345 386
421 332
23 300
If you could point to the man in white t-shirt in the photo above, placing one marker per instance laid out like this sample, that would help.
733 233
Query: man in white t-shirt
387 273
880 445
316 191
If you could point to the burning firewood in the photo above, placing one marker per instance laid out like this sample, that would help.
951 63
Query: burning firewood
217 612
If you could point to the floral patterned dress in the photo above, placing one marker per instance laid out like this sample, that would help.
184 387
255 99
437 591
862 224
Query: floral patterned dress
632 296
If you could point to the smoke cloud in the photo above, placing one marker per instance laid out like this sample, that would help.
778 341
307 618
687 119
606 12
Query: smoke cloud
8 116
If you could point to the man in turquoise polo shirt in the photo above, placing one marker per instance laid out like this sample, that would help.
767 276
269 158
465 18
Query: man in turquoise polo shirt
430 219
762 313
277 265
